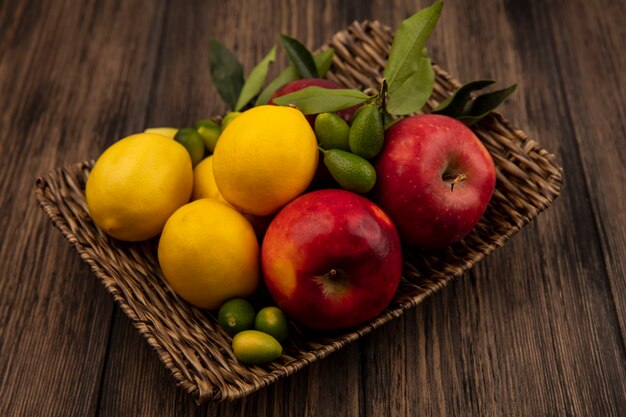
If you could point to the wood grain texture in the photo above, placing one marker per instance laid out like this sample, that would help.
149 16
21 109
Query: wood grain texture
538 328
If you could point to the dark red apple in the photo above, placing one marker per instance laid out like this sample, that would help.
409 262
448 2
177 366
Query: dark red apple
298 85
331 259
434 179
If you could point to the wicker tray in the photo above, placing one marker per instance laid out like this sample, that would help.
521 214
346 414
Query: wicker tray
187 339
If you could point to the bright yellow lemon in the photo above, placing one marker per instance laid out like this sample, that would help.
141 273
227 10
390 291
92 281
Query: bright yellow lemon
209 253
136 184
264 158
203 181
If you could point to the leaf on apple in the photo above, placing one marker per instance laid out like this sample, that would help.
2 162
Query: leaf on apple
408 70
413 92
323 60
314 100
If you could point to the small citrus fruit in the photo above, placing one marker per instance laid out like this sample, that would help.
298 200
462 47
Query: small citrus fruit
272 320
351 171
265 158
203 181
209 253
332 131
193 142
229 118
367 133
210 132
136 184
168 132
254 347
235 316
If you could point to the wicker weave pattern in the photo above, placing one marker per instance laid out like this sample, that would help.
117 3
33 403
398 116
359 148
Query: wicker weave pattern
189 342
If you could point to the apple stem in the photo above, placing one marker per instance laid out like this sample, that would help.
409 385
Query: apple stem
332 274
458 178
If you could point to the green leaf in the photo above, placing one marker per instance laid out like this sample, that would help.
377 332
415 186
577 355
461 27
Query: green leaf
454 104
406 49
313 100
323 60
255 80
411 94
489 101
300 57
288 75
484 104
470 120
226 72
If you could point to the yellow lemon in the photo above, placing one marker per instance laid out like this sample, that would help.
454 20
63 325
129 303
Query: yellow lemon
168 132
209 253
203 181
265 158
136 184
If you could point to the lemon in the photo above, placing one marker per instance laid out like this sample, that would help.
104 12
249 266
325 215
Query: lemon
168 132
203 181
266 157
136 184
254 347
235 316
272 320
209 253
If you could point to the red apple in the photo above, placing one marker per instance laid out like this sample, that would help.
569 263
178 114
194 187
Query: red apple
434 179
298 85
331 259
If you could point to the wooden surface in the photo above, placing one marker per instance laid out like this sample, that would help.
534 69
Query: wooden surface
536 329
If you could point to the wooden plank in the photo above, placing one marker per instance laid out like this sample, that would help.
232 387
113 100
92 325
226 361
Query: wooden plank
71 80
586 323
139 383
595 93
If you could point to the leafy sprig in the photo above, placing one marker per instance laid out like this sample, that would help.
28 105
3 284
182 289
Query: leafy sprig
313 100
237 93
300 57
227 76
460 106
409 75
408 78
226 73
408 72
322 61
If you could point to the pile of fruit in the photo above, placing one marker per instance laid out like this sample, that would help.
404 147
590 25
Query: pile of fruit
249 202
